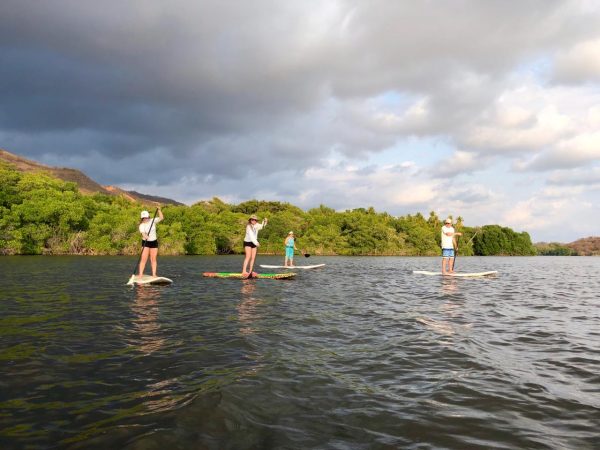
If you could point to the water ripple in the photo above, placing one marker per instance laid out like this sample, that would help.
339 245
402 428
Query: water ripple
361 354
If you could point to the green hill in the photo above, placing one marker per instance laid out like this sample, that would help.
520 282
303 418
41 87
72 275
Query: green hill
85 184
42 214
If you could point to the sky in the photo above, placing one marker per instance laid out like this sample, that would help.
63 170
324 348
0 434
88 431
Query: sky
488 110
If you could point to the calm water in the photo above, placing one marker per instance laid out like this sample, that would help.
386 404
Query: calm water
360 354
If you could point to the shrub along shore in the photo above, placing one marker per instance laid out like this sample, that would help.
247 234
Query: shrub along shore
40 214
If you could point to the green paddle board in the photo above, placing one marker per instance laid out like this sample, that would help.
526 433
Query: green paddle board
272 276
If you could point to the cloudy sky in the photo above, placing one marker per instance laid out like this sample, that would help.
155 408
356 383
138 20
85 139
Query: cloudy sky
485 109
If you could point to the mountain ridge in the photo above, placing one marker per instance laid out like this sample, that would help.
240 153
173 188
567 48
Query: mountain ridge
86 185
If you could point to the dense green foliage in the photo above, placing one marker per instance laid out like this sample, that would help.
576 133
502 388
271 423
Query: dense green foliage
497 240
43 215
554 249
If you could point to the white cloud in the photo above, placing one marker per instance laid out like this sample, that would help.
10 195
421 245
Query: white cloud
459 163
586 178
574 152
580 63
553 215
514 126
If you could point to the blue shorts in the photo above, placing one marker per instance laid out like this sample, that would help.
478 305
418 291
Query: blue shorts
448 253
289 252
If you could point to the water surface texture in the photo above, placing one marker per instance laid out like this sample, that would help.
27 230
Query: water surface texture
360 354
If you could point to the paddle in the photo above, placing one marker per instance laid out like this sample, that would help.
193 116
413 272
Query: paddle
306 255
455 253
473 237
143 245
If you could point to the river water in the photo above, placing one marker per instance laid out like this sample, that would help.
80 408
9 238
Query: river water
360 354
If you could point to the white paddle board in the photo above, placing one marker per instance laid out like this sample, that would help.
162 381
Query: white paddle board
459 274
147 279
266 266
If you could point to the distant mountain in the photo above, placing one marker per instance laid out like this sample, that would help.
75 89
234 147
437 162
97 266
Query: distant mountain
589 246
86 185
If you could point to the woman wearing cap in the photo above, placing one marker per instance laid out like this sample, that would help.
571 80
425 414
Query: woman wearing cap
149 240
251 243
448 246
290 246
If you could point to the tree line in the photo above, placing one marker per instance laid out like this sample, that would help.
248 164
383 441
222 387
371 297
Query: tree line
40 214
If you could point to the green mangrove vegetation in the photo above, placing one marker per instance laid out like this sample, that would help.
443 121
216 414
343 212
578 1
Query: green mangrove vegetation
40 214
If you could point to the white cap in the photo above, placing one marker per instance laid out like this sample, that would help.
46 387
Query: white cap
291 232
448 220
145 215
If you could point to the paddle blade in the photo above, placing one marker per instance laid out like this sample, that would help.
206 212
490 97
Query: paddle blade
130 282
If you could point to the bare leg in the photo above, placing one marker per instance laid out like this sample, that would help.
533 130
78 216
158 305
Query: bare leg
248 252
451 264
252 258
153 264
291 262
444 263
143 260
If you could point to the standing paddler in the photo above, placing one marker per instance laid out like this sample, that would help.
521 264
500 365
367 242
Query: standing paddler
147 228
448 246
251 244
290 246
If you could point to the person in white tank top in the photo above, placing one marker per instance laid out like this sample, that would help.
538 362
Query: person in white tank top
448 246
149 240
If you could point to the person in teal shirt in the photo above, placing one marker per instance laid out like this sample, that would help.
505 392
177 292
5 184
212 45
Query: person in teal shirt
290 246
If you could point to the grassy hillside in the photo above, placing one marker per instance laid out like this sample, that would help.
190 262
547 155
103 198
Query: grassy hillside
85 184
41 214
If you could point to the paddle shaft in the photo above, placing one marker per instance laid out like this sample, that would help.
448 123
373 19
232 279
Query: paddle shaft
472 237
144 244
455 253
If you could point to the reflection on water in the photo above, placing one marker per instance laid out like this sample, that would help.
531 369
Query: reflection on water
360 355
438 326
147 337
248 307
146 330
449 285
451 317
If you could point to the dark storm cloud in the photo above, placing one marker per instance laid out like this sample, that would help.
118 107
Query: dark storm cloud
201 90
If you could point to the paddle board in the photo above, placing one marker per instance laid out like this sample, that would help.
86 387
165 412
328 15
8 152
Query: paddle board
147 279
459 274
276 276
266 266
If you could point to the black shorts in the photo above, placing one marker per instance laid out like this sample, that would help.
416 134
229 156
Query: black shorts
150 244
249 244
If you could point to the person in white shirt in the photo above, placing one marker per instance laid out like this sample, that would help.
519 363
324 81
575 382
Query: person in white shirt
448 246
149 240
251 244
